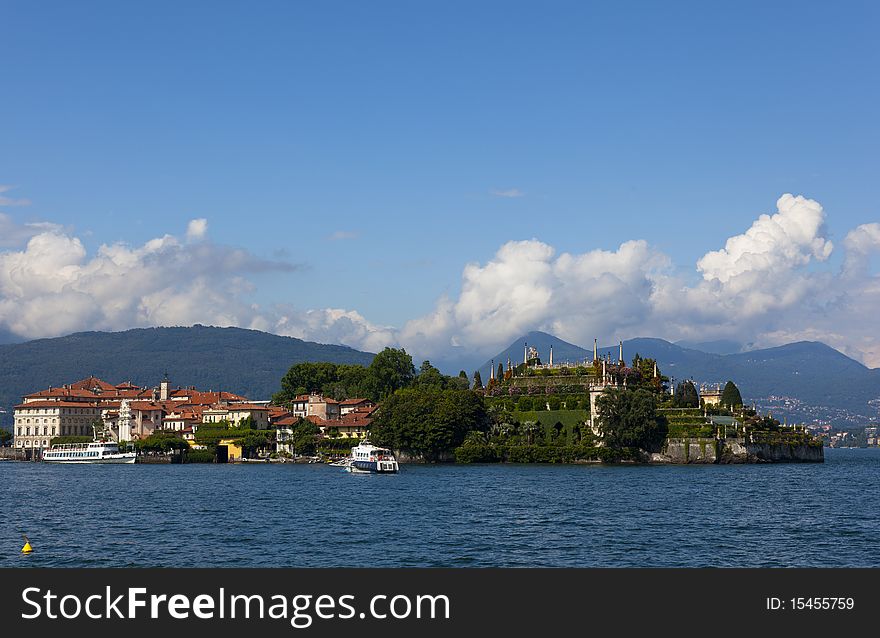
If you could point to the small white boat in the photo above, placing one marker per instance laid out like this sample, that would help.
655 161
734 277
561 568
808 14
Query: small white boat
94 452
368 458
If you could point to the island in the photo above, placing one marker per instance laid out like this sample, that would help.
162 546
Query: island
598 410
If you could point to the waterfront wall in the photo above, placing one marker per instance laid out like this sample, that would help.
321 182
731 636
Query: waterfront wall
405 457
687 451
738 451
707 450
17 454
156 459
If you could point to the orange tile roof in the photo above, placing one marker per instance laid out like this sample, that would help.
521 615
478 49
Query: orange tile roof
57 404
247 406
92 382
359 423
145 405
208 398
61 392
127 393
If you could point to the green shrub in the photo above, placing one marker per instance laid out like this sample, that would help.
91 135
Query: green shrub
335 446
161 441
199 456
683 431
476 453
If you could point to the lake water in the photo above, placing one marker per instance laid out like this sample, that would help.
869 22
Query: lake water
444 516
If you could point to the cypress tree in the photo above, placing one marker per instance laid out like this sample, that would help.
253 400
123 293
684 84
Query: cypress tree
730 396
478 381
686 395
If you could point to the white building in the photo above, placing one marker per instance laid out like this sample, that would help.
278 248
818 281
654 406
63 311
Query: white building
37 422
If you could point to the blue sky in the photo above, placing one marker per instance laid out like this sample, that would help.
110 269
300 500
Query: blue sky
383 146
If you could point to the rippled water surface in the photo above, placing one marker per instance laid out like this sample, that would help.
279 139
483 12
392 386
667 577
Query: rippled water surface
432 516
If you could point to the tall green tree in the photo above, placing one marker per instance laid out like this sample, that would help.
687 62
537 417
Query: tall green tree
303 378
428 422
430 377
645 368
478 380
730 396
629 419
351 381
391 370
686 395
500 374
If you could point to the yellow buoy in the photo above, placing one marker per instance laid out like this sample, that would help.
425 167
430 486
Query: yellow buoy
27 549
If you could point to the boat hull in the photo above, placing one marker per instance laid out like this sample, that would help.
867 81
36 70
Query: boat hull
115 460
374 467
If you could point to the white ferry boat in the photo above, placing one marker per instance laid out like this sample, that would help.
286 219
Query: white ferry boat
94 452
366 457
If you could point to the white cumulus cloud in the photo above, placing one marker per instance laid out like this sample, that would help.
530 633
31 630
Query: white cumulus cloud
787 239
334 325
526 286
197 229
860 243
51 286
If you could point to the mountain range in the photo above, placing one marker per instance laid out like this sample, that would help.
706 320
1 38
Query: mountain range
803 380
806 381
